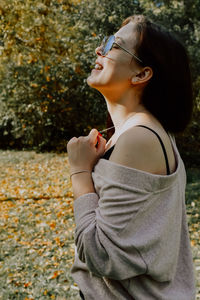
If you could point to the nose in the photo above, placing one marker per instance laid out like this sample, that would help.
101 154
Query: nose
98 51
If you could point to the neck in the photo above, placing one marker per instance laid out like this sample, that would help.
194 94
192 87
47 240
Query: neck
123 109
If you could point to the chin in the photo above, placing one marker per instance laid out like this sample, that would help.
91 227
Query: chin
100 81
92 82
89 80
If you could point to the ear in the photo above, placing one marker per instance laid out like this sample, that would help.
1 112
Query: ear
143 76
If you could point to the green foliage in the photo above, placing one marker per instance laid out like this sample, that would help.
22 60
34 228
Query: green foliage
41 75
47 51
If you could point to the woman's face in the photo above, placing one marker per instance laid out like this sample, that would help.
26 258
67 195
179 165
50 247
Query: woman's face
114 71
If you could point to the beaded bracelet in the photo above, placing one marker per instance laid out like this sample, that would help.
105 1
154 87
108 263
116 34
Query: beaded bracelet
77 172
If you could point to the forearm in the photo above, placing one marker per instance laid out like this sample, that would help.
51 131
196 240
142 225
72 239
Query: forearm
82 183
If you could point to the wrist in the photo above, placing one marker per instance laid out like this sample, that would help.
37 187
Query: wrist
82 183
79 172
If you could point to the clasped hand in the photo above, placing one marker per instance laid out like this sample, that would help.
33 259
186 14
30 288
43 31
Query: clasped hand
84 152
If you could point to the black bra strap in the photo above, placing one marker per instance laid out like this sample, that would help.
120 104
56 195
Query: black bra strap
163 147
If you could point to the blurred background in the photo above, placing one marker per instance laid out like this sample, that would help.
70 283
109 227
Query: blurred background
46 53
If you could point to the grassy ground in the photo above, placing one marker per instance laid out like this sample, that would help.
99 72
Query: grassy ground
37 225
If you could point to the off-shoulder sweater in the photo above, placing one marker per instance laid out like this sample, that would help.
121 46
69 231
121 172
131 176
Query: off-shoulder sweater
131 235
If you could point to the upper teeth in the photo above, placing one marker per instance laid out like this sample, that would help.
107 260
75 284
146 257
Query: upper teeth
98 67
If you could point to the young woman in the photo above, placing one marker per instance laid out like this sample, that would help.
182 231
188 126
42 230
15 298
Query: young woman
131 232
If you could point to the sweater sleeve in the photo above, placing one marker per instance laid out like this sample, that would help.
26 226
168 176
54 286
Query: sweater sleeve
125 230
98 245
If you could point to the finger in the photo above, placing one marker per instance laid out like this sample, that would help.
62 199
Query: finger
97 141
93 136
71 141
74 138
98 136
93 133
101 145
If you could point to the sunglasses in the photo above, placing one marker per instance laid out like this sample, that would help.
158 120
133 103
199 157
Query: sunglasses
107 45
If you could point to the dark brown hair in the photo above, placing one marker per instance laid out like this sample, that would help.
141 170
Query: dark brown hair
168 95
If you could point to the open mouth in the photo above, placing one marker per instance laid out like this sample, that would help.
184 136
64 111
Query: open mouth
98 66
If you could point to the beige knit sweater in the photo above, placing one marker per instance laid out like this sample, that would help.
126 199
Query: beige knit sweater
131 236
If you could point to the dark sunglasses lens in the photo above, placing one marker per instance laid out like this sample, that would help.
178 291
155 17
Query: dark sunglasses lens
104 40
107 44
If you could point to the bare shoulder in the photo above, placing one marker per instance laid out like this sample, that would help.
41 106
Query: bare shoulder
139 148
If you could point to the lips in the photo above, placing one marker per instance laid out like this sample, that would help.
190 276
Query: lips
98 66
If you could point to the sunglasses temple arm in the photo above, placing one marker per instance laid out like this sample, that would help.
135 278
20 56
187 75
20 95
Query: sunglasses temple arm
134 55
129 52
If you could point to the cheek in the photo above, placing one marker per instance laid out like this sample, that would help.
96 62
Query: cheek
118 72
